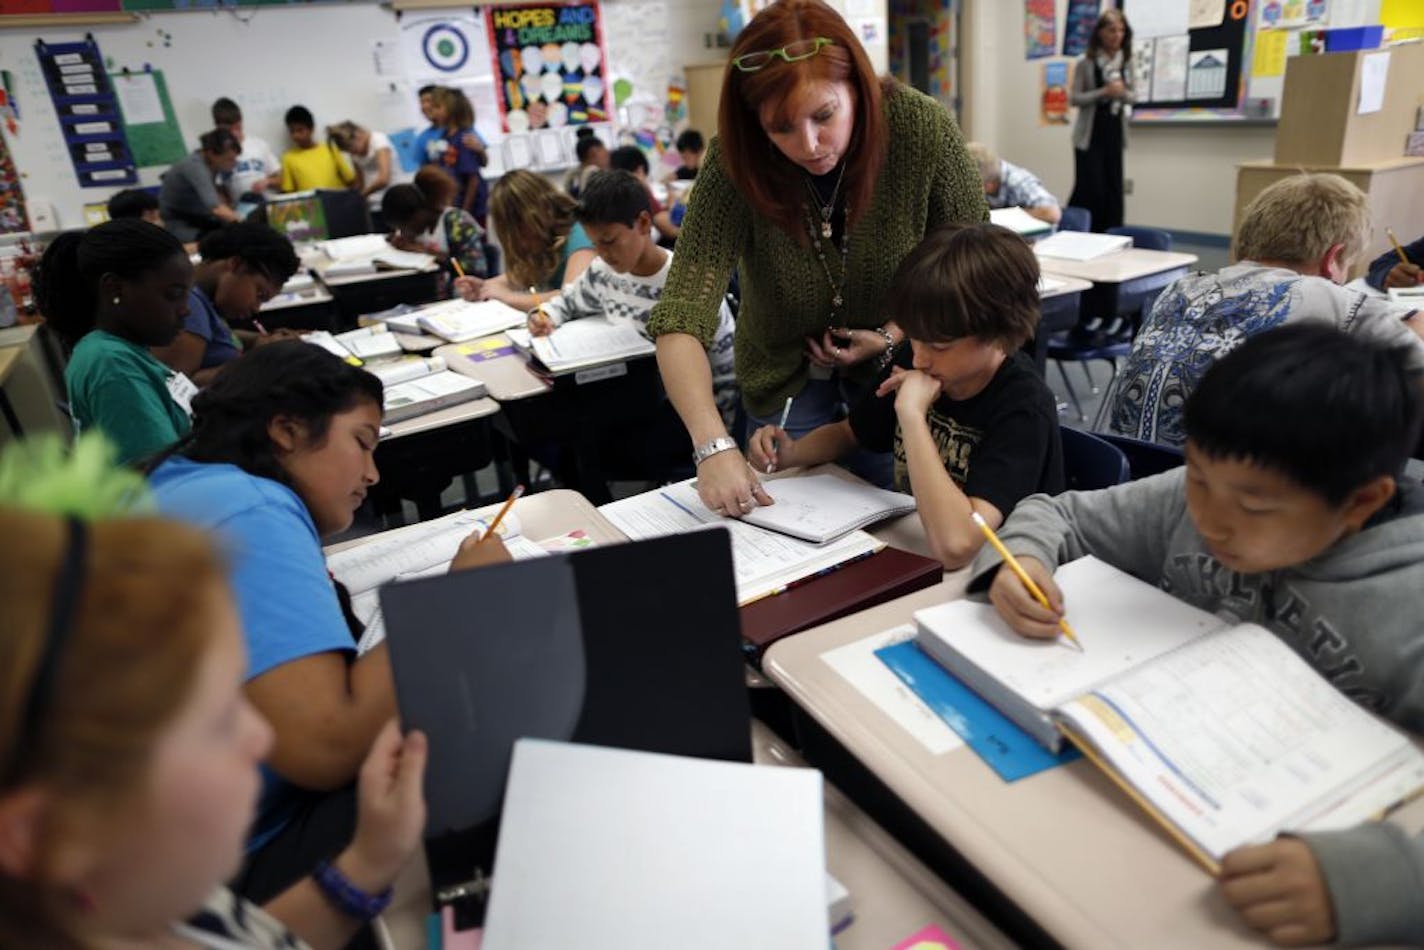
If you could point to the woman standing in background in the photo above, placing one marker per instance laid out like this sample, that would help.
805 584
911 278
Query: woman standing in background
1103 93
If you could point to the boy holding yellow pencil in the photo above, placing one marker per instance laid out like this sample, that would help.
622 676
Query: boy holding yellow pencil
1292 513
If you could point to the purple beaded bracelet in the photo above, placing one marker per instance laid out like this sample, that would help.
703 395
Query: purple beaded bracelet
348 898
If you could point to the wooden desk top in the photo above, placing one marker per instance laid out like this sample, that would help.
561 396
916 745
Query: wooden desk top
1118 268
507 376
462 412
1067 846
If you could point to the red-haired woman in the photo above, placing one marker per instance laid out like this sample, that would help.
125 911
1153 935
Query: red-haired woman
822 178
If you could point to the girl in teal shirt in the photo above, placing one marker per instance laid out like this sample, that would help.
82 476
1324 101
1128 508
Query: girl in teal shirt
111 293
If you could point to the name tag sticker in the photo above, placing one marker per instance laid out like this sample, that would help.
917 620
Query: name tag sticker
181 388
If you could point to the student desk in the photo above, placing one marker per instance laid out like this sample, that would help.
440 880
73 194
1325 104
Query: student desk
576 416
422 454
357 294
310 308
1061 857
1123 282
892 894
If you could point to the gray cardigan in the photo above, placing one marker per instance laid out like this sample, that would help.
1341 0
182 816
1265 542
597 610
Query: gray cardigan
1085 96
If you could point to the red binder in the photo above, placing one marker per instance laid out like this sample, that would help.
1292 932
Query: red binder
885 575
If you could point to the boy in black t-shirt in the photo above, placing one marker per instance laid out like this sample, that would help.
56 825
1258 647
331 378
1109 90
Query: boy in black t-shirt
972 425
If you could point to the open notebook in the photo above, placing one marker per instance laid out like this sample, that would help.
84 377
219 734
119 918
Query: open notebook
416 551
461 320
584 344
364 343
1221 732
821 508
764 562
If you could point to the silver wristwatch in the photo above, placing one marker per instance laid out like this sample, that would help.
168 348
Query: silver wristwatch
711 447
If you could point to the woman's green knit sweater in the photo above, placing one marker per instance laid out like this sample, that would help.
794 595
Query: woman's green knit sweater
928 180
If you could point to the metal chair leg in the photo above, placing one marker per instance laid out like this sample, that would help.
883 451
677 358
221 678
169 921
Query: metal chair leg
1072 394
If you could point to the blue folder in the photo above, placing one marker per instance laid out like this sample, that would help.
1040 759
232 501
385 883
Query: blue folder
1006 748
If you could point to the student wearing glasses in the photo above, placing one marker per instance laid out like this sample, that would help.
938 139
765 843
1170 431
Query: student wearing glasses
823 177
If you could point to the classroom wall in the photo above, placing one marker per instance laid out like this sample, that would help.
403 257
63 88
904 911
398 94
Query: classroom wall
1183 178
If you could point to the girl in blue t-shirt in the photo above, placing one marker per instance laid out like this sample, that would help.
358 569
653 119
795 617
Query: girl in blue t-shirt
281 455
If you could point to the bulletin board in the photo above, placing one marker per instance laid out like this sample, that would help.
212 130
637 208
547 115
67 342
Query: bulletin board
1201 71
1229 63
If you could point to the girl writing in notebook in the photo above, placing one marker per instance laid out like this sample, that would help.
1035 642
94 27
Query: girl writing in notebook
244 265
110 293
544 245
280 457
128 753
822 178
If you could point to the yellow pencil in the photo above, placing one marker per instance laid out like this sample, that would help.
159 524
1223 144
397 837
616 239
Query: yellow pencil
1397 249
513 497
1017 568
455 263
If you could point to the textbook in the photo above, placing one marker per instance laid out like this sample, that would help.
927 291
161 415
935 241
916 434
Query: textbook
1220 731
415 551
427 391
1080 245
461 320
584 344
369 342
612 849
1019 221
764 562
821 508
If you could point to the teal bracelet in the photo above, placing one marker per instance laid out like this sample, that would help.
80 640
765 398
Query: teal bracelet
348 898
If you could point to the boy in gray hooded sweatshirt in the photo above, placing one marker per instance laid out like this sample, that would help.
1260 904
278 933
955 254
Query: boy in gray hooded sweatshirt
1289 514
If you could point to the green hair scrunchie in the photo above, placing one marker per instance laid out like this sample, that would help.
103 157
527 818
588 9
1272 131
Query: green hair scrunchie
40 474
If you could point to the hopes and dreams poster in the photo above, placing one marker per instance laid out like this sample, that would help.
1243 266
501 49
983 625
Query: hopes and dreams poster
550 67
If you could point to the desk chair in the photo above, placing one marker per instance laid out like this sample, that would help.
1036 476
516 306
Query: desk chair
1108 337
1090 463
1144 459
1075 219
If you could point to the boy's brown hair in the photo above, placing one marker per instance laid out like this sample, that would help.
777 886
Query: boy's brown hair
1297 219
972 280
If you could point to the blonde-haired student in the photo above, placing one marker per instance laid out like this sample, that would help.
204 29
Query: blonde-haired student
1296 243
971 424
544 245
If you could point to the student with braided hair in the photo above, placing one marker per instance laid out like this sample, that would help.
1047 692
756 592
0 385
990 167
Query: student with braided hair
110 293
280 457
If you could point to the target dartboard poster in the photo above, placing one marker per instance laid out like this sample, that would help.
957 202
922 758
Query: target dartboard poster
550 66
445 48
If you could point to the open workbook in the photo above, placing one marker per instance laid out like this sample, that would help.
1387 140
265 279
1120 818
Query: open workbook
764 562
416 551
459 320
1221 732
420 385
584 344
821 508
363 343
